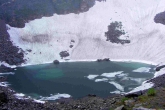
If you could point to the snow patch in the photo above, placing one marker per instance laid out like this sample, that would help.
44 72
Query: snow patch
159 73
39 101
144 86
7 65
20 95
55 97
88 30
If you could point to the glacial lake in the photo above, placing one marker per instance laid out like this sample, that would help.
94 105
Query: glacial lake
78 79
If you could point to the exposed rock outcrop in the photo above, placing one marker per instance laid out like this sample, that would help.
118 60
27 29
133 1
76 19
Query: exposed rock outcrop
18 12
160 18
9 53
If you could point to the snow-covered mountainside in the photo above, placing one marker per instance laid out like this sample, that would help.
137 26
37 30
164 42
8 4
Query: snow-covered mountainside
83 35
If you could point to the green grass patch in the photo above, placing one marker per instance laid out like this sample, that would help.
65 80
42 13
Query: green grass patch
151 92
124 99
143 98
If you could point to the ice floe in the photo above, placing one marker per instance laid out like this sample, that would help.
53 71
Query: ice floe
142 69
4 84
8 73
118 86
99 80
110 75
91 76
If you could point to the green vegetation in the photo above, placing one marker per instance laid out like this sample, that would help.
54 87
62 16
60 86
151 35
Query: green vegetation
151 92
143 98
124 99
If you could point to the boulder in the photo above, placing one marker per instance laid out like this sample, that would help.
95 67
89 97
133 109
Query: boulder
133 95
71 46
142 108
3 97
129 103
91 95
99 60
120 108
158 68
56 62
106 59
64 54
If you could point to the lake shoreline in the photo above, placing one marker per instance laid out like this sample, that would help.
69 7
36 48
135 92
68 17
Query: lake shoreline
70 103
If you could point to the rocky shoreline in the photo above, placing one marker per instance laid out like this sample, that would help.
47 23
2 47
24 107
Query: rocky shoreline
9 53
89 102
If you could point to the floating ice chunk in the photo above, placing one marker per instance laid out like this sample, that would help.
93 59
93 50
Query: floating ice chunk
144 86
113 74
7 73
138 80
99 80
142 69
118 86
4 84
92 76
55 97
122 75
115 92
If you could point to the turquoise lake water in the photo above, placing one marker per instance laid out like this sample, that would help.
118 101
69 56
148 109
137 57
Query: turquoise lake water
79 79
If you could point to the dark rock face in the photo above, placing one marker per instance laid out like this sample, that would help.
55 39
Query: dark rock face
4 69
91 95
133 95
56 62
8 52
158 81
105 59
99 60
159 68
71 46
18 12
160 18
114 32
64 54
3 97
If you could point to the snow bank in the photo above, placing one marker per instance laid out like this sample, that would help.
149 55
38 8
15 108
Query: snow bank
22 96
87 30
7 65
159 73
144 86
